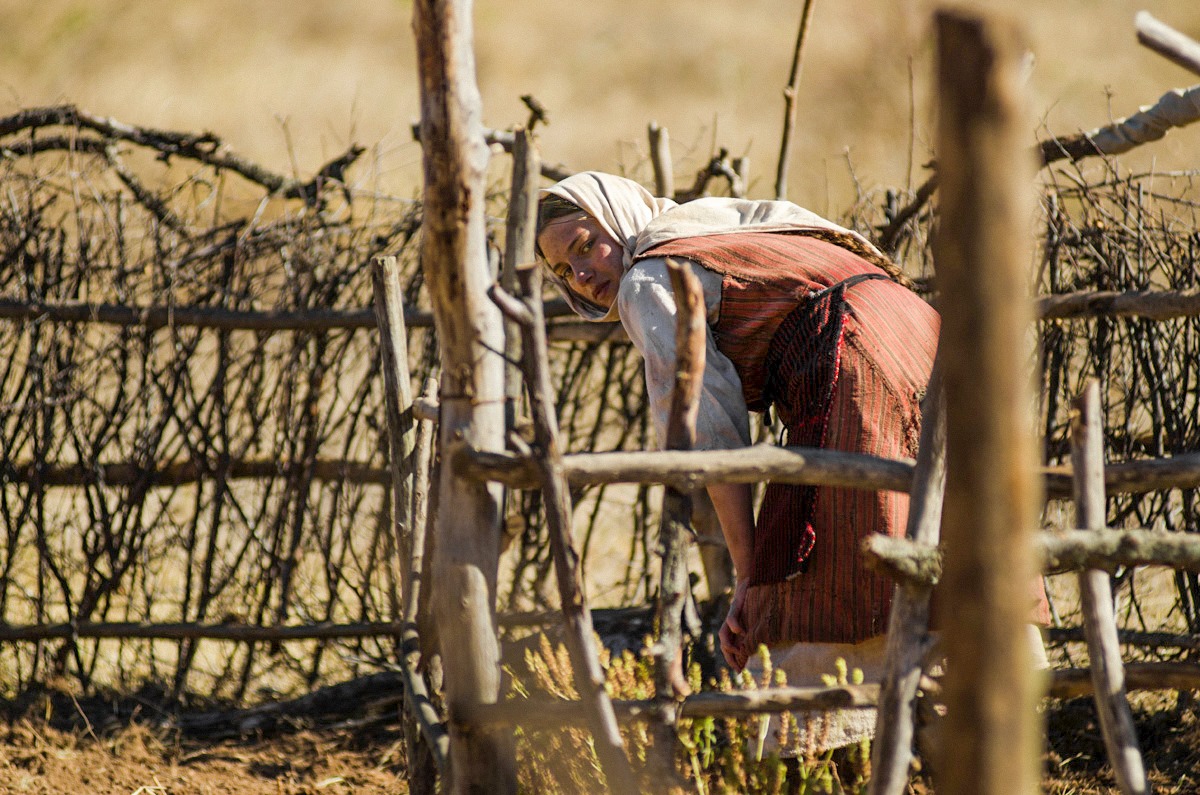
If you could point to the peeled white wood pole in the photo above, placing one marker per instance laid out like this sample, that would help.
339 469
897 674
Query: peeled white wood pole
469 327
1168 42
982 256
1095 591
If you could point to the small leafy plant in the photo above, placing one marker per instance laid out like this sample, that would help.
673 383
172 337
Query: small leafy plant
712 756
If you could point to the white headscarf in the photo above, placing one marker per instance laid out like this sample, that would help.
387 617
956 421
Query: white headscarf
638 221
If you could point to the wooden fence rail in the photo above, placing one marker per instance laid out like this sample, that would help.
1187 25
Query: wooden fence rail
562 325
245 633
1059 550
537 714
685 469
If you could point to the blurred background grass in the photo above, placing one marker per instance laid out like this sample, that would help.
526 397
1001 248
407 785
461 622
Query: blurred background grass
291 84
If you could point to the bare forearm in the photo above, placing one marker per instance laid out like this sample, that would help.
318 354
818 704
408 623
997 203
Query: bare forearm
735 510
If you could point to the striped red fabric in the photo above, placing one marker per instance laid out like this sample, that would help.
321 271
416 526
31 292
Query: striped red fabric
846 373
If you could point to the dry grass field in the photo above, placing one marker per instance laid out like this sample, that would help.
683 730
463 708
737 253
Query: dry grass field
292 84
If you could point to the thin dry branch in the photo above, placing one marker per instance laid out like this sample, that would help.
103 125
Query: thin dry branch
204 148
128 474
245 633
789 102
1173 109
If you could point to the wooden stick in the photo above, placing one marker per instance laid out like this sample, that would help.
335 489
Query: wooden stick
690 470
1168 42
789 103
433 737
506 141
156 317
992 492
555 714
551 714
690 333
660 158
1077 682
1095 590
244 633
204 148
1176 108
585 660
520 229
908 638
423 501
1151 305
794 465
393 348
1166 640
185 472
1059 551
670 684
455 263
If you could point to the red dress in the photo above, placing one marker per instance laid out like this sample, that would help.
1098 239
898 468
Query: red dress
844 355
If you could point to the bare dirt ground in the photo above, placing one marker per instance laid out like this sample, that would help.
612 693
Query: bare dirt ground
48 750
1168 730
45 750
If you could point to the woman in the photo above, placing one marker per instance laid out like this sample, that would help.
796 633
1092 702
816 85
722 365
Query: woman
804 316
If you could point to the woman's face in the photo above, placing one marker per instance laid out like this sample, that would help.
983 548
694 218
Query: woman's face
584 256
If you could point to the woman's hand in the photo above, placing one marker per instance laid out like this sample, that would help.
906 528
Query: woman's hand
732 634
733 504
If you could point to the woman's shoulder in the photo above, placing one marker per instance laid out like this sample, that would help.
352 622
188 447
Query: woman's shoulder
718 216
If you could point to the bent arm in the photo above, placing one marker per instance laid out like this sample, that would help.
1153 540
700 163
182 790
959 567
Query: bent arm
647 309
735 510
646 306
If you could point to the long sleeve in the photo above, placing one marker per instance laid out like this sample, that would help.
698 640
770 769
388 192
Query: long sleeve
646 305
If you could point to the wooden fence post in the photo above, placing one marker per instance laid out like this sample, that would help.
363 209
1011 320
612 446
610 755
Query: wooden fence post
520 229
585 656
469 328
393 347
990 735
669 680
1095 591
660 158
424 731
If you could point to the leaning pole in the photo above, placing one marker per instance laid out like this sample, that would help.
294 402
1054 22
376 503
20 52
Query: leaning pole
469 328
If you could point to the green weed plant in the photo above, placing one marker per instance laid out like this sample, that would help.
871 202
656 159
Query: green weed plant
712 756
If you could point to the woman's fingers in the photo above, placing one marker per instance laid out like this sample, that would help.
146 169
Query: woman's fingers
731 631
731 646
